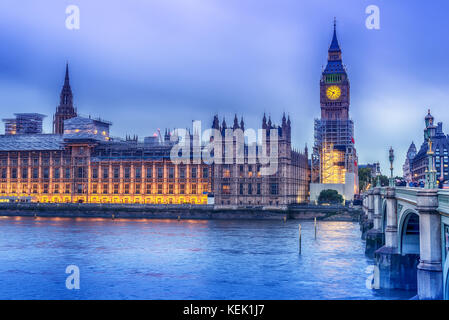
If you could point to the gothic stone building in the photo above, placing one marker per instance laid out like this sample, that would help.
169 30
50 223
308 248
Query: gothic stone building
239 184
440 148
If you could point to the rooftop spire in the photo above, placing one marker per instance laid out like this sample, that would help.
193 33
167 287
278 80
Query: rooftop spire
334 44
67 79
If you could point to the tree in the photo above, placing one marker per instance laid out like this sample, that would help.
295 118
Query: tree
364 178
330 196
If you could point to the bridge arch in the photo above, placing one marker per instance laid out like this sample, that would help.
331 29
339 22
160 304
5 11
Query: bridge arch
408 232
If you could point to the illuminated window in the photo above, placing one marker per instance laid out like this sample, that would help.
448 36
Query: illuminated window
226 188
148 188
94 188
35 188
115 188
137 189
159 188
182 188
126 188
170 188
194 189
45 188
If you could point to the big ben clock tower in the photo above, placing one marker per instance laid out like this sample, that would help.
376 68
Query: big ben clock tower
334 84
334 159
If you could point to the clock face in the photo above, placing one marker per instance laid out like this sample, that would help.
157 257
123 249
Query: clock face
333 92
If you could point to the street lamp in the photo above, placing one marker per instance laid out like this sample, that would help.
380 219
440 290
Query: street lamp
391 158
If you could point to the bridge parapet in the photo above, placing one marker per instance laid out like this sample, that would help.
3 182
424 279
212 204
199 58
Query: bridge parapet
443 202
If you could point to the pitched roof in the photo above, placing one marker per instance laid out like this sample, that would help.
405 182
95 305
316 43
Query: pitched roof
23 142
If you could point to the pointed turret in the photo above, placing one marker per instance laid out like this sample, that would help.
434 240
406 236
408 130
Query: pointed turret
65 110
236 123
264 121
242 124
335 46
216 123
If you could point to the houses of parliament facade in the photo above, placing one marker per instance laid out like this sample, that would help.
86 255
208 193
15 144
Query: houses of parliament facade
81 163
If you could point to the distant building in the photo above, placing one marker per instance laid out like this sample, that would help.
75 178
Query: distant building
406 168
374 167
440 147
242 183
24 123
334 159
65 110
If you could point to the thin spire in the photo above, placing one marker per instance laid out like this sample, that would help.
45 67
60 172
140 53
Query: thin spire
67 79
334 44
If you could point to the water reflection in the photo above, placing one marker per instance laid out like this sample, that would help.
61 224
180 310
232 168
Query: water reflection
186 259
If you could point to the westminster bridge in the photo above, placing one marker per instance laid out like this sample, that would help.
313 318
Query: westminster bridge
407 232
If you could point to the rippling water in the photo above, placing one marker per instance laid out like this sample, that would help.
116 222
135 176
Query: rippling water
166 259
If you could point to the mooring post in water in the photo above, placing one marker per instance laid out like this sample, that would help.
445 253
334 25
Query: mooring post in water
299 239
35 216
285 218
179 218
315 227
113 217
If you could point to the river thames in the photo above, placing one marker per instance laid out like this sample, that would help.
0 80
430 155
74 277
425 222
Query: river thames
168 259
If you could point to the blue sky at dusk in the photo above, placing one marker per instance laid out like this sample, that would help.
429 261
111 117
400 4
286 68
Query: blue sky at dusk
162 63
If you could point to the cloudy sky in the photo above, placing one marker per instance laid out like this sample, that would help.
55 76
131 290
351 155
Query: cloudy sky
147 64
